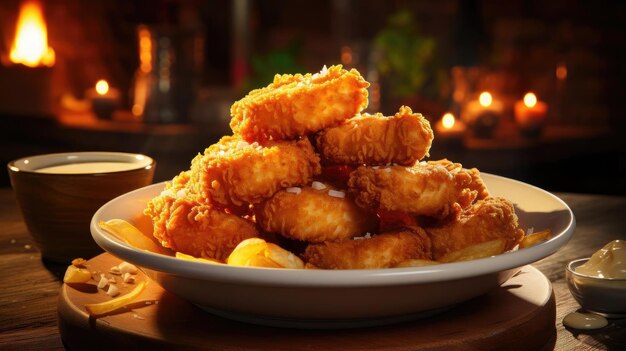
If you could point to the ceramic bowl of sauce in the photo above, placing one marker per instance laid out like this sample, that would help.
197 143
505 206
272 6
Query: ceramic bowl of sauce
598 283
59 193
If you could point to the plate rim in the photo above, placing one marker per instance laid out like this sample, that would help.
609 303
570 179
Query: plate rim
333 278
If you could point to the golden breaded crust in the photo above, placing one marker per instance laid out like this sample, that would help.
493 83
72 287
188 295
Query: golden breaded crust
236 173
313 216
380 251
478 184
184 225
374 140
296 105
423 189
487 219
465 178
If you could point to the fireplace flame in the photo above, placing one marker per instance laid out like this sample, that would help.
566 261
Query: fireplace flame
30 47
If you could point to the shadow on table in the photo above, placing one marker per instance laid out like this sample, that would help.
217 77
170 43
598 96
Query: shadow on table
56 268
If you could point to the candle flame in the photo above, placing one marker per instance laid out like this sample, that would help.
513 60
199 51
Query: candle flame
346 55
145 50
485 99
561 71
448 120
530 100
102 87
30 46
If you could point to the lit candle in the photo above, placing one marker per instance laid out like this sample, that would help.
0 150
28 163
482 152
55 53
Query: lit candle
104 99
449 127
530 114
483 115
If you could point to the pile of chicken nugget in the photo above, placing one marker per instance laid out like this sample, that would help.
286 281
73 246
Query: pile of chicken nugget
307 180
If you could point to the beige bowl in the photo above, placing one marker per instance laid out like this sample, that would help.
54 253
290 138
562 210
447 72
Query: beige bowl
58 206
317 298
604 296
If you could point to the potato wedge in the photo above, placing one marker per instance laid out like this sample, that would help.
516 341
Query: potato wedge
416 263
535 238
74 274
260 260
255 252
98 309
130 234
484 249
245 251
282 257
197 259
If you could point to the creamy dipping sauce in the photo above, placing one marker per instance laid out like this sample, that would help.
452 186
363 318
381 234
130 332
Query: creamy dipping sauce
579 320
608 262
89 167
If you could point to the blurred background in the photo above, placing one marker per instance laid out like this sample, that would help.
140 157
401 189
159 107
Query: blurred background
531 90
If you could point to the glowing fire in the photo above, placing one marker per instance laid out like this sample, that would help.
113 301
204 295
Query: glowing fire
448 120
30 47
530 100
485 99
102 87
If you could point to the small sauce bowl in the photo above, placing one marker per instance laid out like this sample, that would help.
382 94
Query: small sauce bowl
57 205
604 296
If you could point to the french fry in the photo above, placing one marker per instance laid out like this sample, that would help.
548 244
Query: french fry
197 259
484 249
535 238
98 309
128 233
416 263
255 252
74 274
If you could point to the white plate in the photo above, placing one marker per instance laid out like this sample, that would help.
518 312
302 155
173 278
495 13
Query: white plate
344 298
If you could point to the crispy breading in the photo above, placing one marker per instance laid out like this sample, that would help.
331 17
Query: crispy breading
379 251
296 105
314 215
469 177
259 179
478 184
374 140
420 190
234 173
183 224
487 219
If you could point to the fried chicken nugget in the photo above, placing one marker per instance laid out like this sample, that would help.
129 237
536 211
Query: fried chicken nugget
379 251
374 140
185 225
314 215
488 219
296 105
234 173
420 190
475 182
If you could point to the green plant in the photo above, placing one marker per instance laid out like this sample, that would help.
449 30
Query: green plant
408 58
265 66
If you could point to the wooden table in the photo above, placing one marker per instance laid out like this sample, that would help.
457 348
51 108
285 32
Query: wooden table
29 287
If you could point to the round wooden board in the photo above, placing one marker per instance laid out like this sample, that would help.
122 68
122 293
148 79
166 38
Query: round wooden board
520 315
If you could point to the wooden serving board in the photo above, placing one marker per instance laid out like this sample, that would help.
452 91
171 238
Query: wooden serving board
520 315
